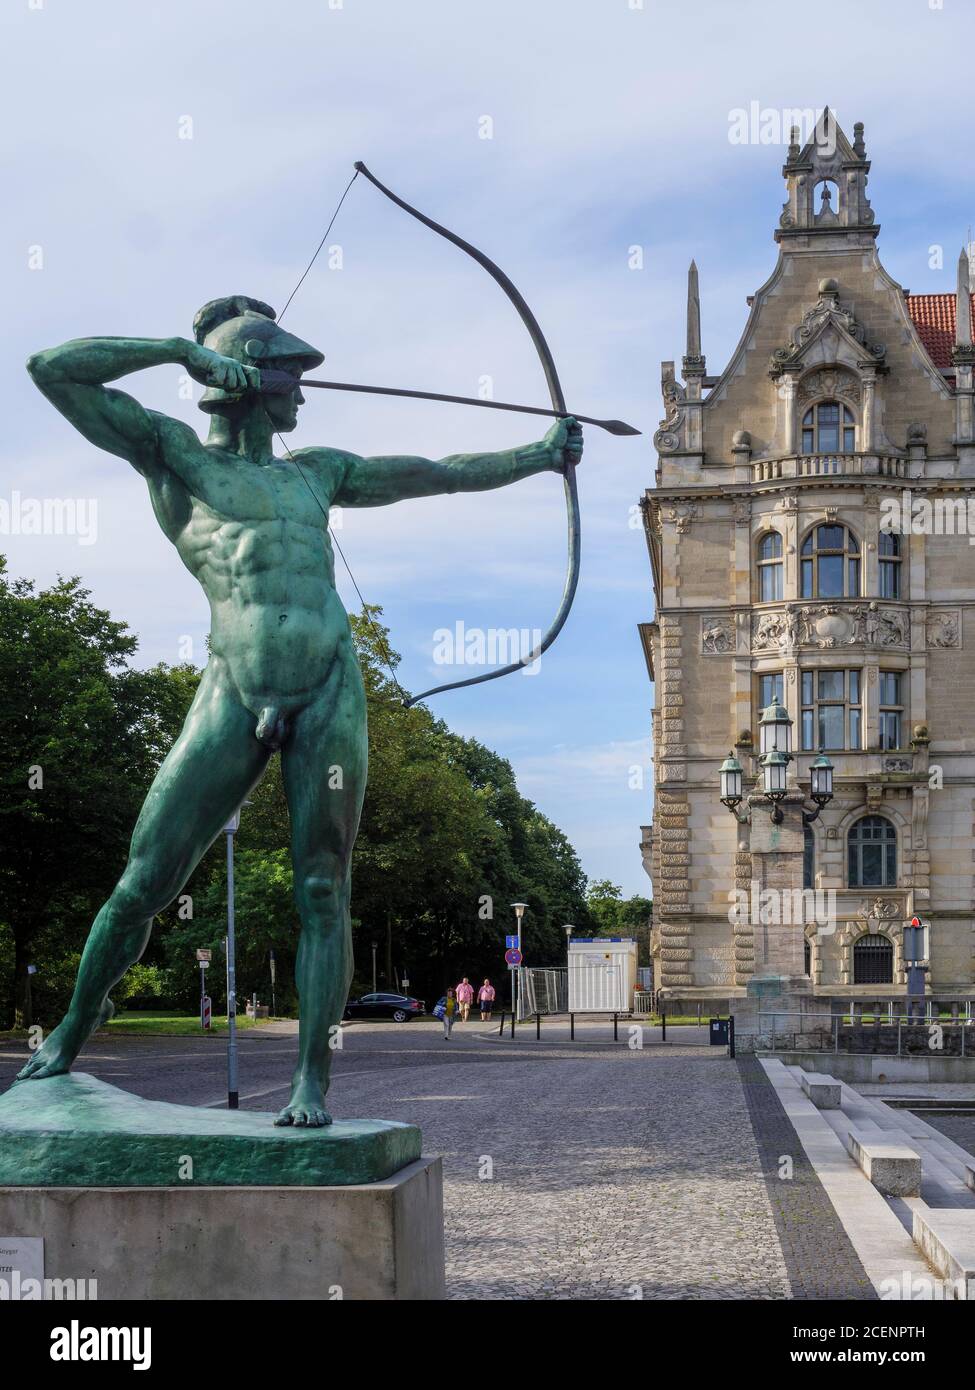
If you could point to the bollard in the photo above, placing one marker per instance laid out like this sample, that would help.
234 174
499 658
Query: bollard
538 1025
572 1027
616 1031
663 1025
731 1035
512 1022
501 1026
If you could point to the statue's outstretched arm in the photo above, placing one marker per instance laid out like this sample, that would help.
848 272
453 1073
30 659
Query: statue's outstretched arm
375 482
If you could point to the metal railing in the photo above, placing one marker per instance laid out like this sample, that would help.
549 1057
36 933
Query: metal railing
915 1033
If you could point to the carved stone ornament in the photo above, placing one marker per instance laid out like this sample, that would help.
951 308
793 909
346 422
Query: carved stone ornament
833 382
943 628
829 625
681 514
667 437
718 636
827 309
880 910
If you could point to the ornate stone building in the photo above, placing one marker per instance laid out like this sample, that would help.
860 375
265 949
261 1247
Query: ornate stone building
780 576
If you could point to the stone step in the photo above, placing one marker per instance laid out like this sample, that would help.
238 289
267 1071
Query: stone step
947 1239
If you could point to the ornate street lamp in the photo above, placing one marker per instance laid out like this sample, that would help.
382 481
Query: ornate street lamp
775 767
820 786
732 781
775 728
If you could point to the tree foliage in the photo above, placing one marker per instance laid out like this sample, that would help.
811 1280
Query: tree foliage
446 841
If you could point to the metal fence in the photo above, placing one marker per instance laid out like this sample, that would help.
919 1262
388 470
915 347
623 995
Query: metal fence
887 1034
542 990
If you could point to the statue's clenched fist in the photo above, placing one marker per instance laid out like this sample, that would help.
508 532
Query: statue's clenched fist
564 440
225 373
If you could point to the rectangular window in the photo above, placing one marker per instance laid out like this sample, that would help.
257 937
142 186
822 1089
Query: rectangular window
769 583
890 579
769 690
831 576
831 715
891 709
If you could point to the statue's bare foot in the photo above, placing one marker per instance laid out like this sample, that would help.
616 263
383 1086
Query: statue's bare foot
306 1107
61 1047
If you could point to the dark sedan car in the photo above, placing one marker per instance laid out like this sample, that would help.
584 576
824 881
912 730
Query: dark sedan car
398 1007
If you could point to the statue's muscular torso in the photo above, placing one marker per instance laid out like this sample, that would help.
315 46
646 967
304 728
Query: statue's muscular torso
257 540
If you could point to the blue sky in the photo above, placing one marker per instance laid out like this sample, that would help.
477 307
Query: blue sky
609 126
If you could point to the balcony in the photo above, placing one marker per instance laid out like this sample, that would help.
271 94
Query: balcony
822 465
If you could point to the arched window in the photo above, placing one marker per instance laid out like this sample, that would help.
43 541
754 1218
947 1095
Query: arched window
873 960
871 849
830 563
770 586
829 428
889 549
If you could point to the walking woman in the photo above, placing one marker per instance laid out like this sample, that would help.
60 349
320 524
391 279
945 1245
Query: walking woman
449 1009
485 997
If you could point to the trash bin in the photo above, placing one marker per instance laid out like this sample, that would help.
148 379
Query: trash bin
719 1032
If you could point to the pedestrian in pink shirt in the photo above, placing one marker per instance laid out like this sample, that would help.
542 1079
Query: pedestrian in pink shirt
485 997
465 997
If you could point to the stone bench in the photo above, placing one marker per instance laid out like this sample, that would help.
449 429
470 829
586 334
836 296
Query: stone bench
893 1169
823 1091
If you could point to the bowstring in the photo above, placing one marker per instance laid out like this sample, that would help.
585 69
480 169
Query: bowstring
378 634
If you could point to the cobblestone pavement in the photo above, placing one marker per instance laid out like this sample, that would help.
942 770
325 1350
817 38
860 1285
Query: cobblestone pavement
615 1174
819 1257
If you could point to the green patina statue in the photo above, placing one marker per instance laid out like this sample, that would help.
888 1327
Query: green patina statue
282 673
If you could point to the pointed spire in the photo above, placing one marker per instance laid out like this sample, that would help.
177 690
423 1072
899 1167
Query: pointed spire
963 311
693 313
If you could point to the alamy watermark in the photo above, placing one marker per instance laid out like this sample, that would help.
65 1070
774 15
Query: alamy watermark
493 646
783 907
755 124
908 515
49 516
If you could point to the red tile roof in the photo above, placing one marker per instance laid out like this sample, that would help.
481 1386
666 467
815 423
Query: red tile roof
934 318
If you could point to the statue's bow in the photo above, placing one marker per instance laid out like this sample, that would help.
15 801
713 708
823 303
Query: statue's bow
558 405
558 409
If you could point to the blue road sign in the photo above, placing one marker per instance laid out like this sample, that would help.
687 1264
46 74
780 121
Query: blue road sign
513 956
511 943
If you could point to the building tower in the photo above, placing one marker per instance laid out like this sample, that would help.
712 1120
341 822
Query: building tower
811 540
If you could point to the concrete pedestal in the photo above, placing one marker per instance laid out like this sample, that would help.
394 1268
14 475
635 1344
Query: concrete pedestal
380 1240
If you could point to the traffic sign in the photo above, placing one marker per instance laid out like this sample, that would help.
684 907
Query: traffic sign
206 1011
511 943
513 956
204 955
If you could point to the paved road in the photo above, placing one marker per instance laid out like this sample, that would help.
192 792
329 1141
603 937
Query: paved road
586 1171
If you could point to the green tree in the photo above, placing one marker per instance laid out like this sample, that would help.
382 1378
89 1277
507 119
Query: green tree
83 735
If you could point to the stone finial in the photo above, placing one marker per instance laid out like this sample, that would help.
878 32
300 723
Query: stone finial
963 312
859 148
693 313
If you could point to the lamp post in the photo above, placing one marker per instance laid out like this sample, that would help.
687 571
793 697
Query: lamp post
775 735
519 911
233 1093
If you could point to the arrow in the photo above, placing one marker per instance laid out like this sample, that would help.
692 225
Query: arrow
280 383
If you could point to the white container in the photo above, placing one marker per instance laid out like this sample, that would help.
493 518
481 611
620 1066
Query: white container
602 975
